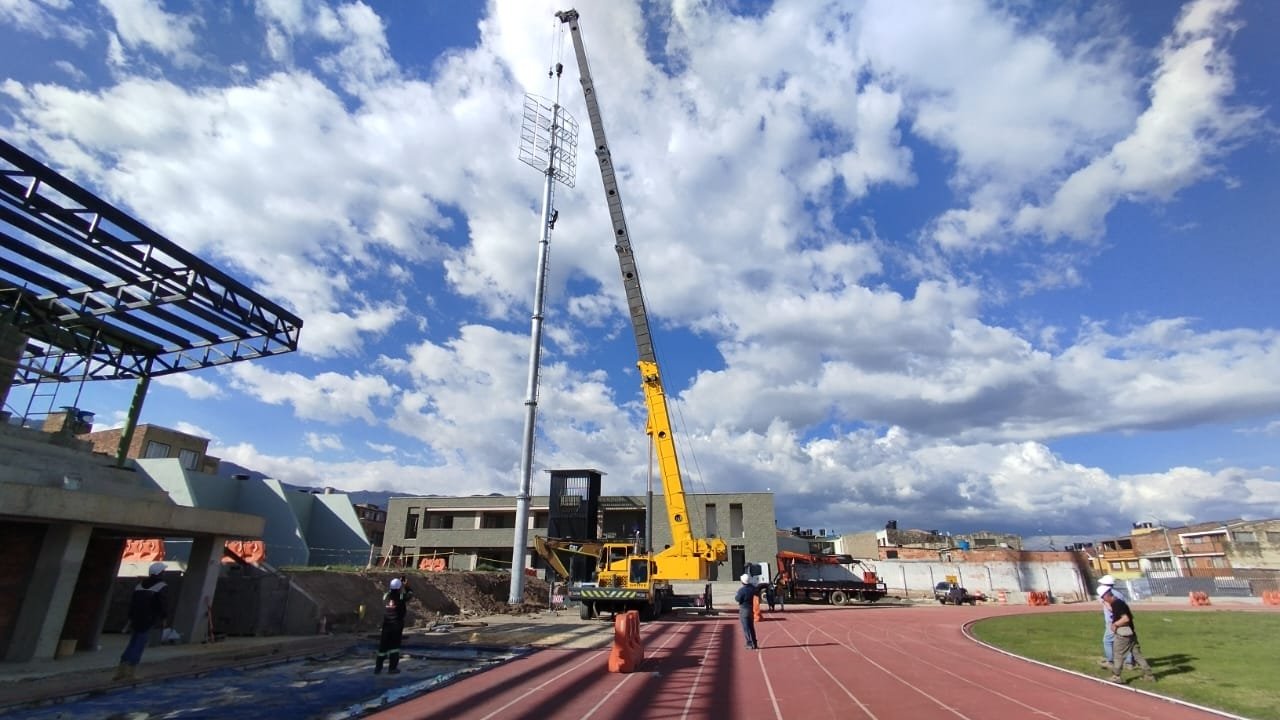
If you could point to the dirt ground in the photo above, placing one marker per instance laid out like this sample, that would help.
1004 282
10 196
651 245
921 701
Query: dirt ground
437 596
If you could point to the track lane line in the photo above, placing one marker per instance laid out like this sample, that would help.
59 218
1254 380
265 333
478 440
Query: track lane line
668 636
697 677
839 683
593 657
930 644
918 635
888 672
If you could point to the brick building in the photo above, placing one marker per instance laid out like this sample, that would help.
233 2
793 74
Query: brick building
154 441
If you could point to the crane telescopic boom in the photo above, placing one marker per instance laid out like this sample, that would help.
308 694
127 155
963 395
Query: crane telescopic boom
688 558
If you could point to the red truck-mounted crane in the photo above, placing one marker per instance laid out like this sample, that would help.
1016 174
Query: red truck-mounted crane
827 578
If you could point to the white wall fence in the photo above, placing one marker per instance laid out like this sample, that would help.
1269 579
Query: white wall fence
1061 580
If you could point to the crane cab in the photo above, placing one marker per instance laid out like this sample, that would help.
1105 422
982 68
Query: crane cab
757 573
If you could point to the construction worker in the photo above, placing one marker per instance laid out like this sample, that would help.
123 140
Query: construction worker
745 598
395 604
1108 637
1126 635
147 606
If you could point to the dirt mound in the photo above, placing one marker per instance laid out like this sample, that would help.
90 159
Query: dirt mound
353 601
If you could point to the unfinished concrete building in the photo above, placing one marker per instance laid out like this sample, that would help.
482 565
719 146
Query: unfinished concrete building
89 294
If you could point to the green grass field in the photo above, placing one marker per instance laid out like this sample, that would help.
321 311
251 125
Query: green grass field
1224 660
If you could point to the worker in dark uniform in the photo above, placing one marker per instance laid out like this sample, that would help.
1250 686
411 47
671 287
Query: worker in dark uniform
147 606
746 615
395 604
770 595
1126 636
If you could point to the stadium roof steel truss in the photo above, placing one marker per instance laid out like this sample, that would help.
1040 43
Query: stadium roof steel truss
103 297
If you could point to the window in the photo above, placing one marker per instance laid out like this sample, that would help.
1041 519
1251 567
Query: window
411 524
735 521
1273 537
156 450
1131 565
890 554
1116 565
1218 562
1161 564
439 521
497 521
190 459
713 529
1244 536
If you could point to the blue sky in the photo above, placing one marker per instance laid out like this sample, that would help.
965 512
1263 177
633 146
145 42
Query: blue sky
965 266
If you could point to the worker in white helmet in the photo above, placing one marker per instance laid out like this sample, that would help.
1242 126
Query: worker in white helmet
1108 636
395 604
746 611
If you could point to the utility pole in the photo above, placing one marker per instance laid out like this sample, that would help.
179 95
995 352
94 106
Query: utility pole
1177 567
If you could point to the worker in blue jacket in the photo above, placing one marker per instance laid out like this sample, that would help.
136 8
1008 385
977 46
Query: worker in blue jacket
746 615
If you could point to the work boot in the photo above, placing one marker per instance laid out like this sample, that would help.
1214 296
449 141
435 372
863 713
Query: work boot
1117 679
1149 677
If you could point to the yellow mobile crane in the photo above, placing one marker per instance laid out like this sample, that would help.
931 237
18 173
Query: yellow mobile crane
627 576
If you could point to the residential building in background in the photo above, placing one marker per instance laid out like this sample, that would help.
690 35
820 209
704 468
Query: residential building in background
154 441
373 520
1233 557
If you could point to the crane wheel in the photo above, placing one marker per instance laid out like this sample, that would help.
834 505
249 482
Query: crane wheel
586 611
838 598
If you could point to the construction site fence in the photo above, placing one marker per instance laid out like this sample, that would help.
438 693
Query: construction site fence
411 558
1213 587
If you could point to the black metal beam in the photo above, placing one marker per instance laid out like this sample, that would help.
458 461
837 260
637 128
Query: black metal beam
110 297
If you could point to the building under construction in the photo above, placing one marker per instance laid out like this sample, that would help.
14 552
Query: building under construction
89 294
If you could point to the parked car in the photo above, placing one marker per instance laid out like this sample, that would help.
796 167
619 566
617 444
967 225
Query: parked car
951 593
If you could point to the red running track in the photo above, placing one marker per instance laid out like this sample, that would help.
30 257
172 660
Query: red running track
816 663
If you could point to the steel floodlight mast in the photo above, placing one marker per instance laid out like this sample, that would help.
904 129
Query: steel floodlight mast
548 143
